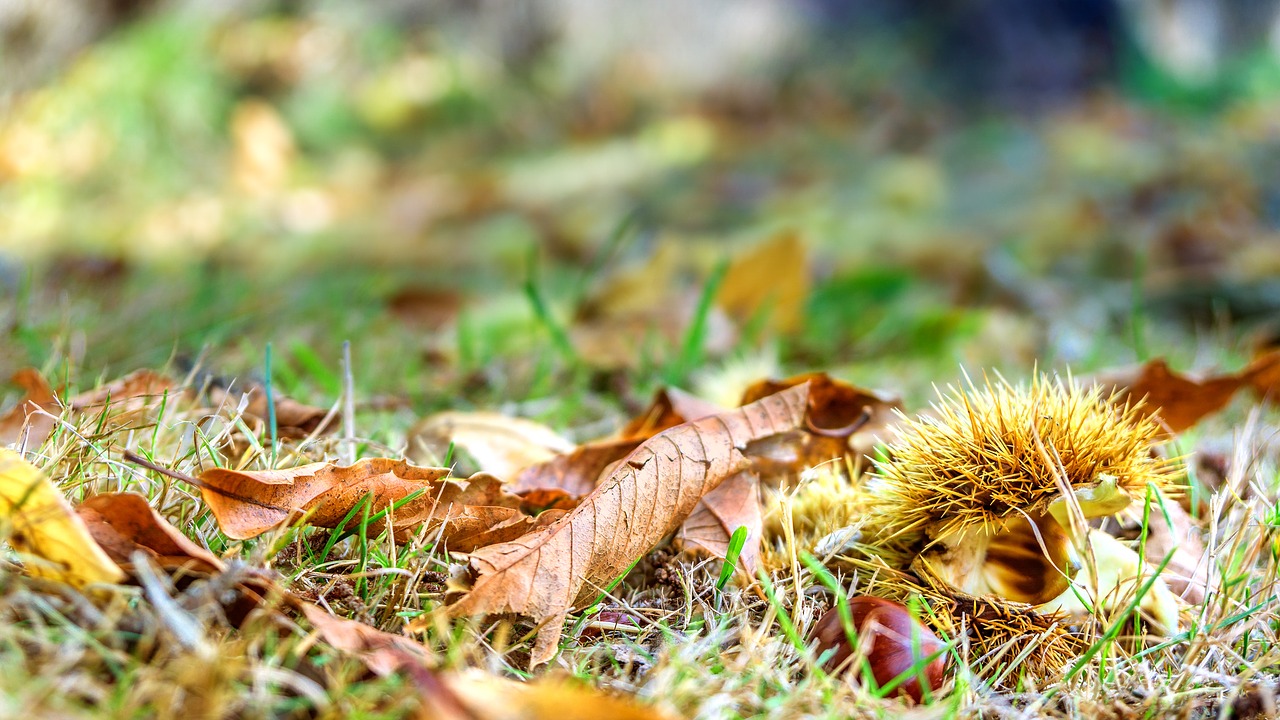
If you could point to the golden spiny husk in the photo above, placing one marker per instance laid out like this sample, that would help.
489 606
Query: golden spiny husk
992 453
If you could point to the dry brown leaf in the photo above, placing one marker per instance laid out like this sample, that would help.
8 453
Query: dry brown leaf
773 278
380 651
842 420
475 526
575 473
122 523
541 499
550 571
669 407
386 654
425 308
293 419
35 415
734 504
133 392
248 503
499 444
29 421
1179 401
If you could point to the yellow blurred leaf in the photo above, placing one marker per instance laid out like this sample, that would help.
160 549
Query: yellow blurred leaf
772 278
45 526
495 698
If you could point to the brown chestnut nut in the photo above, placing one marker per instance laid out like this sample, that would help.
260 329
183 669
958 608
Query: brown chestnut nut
893 640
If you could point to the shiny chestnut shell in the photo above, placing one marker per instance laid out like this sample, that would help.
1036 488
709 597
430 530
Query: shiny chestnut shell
893 631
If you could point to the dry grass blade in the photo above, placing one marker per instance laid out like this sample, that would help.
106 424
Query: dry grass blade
652 491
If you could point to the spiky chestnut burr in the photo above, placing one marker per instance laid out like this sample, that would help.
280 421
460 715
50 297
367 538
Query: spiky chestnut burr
981 504
992 456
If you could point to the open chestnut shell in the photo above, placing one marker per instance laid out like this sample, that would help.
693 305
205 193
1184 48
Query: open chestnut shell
894 643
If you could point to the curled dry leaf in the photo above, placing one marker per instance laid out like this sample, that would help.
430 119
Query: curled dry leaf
46 528
248 503
498 444
734 504
1180 400
652 491
842 419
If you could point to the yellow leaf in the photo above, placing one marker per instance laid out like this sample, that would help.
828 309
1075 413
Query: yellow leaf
774 278
45 526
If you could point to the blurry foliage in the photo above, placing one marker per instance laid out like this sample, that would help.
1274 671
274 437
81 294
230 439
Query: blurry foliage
193 183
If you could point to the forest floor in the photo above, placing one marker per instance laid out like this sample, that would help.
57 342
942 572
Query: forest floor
228 206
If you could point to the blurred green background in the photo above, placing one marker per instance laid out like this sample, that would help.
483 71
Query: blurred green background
506 202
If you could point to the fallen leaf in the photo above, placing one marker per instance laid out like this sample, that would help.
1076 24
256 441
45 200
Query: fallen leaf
734 504
29 422
293 419
489 697
552 570
498 444
380 651
477 526
842 420
132 392
248 503
540 499
576 473
669 407
44 526
426 308
122 523
385 655
1179 401
771 278
642 310
35 415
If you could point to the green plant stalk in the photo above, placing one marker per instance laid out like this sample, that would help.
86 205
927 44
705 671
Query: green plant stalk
736 542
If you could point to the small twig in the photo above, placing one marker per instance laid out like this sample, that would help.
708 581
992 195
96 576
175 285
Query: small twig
136 459
348 445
